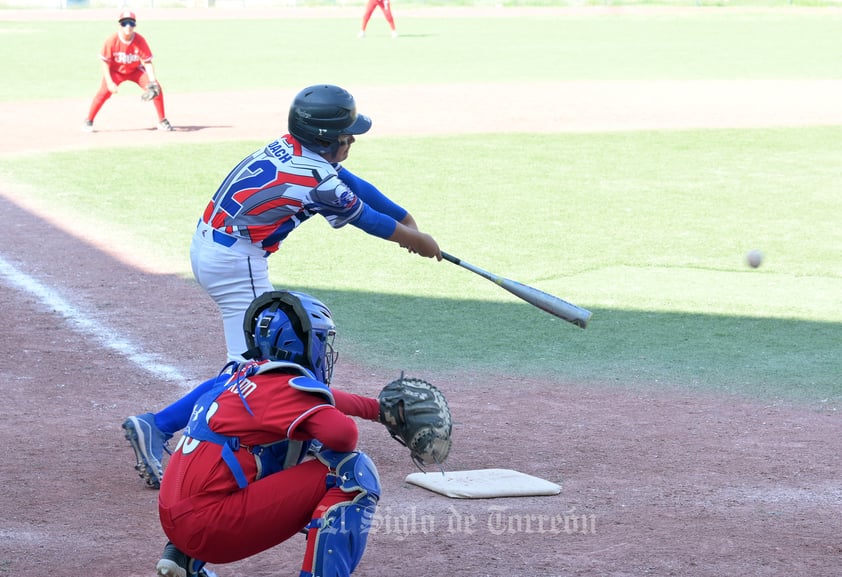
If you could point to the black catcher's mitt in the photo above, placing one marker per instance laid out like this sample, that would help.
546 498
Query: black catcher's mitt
153 90
417 415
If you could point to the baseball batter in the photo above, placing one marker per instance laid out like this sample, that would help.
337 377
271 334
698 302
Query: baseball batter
126 56
248 473
279 187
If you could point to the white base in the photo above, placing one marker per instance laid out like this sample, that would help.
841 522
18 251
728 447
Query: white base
483 484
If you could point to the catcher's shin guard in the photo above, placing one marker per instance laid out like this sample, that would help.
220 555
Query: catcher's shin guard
338 533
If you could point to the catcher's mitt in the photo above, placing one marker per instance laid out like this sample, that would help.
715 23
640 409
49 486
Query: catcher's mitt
153 90
417 415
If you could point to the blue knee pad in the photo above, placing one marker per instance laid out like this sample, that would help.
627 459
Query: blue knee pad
343 529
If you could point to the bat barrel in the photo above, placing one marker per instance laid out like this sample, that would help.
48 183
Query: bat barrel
539 299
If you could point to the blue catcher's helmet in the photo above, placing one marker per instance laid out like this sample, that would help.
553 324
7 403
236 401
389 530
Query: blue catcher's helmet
320 114
292 327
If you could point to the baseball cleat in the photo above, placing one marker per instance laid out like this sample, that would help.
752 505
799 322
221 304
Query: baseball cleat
165 125
148 443
88 126
174 563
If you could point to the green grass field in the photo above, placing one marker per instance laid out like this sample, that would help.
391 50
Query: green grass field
255 54
648 230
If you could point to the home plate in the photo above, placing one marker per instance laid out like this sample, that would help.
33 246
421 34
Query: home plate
484 484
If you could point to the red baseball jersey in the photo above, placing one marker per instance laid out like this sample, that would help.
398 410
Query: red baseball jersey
124 58
280 411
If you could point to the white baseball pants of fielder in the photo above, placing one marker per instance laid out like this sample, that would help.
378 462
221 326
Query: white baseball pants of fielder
233 278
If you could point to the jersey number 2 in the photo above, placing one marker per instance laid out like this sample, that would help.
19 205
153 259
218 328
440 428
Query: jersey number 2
260 173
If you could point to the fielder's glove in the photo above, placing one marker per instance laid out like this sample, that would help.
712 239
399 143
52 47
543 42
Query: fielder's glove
417 415
153 90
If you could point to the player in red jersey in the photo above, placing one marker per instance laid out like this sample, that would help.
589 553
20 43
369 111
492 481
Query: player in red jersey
126 56
386 7
270 452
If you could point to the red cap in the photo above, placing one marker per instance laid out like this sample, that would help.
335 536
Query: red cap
127 15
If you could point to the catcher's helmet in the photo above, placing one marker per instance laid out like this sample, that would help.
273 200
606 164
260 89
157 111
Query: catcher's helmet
292 327
320 114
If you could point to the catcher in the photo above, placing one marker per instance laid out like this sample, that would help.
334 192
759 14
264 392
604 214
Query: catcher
270 450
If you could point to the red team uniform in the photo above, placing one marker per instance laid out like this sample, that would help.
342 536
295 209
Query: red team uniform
126 59
127 56
228 524
386 7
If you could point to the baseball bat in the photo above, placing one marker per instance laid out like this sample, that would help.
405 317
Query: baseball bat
544 301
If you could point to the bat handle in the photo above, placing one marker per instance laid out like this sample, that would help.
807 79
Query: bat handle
451 258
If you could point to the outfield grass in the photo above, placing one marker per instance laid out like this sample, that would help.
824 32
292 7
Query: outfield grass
288 53
648 229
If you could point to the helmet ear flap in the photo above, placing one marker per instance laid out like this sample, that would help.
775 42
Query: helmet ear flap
263 325
252 321
321 146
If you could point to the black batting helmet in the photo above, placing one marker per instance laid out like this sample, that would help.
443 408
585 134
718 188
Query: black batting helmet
320 114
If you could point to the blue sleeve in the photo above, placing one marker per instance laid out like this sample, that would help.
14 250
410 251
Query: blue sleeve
175 417
371 196
375 223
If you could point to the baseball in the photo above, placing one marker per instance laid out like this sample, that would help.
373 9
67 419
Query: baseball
754 258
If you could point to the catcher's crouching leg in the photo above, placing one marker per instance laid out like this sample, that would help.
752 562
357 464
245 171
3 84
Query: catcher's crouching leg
338 533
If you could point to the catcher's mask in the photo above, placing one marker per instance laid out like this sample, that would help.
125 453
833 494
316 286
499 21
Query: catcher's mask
292 327
320 114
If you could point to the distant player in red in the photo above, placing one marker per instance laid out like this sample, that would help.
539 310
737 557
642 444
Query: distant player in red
386 7
126 56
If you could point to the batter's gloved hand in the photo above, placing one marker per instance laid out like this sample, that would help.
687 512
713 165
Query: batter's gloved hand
417 415
153 90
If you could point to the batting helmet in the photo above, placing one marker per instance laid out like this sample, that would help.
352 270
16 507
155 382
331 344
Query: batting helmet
320 114
292 327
